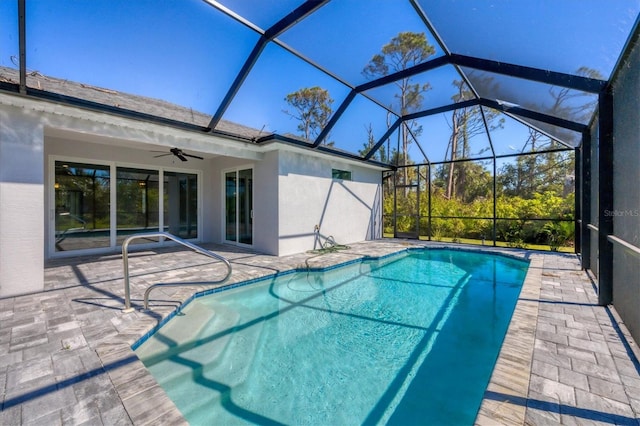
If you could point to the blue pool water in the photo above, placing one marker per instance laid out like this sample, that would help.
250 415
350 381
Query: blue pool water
409 339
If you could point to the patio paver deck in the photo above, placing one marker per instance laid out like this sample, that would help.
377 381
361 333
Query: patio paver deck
66 358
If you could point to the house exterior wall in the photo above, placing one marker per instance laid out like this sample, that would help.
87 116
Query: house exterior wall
32 130
265 199
308 196
626 176
266 204
21 202
293 189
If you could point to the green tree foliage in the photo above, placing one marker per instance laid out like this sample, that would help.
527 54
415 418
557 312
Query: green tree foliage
311 107
535 173
405 50
519 211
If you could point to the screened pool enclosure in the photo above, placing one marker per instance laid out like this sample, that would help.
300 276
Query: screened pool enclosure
481 132
493 122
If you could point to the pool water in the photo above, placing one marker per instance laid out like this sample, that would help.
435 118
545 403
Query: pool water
409 339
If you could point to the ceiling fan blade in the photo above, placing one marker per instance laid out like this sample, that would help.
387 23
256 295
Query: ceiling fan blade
192 156
178 153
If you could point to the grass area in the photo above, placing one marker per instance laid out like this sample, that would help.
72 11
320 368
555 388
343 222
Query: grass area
544 247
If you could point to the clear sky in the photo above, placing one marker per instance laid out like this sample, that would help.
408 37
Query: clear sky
187 52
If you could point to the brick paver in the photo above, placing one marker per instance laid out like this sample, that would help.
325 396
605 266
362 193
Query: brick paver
66 358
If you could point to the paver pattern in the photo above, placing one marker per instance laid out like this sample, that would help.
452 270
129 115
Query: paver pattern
66 358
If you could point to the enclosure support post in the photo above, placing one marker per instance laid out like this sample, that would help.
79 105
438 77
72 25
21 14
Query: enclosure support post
577 191
22 46
417 212
494 201
584 154
605 197
429 201
395 203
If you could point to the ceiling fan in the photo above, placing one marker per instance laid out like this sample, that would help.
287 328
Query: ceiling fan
178 153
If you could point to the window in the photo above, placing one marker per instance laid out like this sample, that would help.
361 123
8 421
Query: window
136 203
239 206
340 174
97 206
181 204
82 214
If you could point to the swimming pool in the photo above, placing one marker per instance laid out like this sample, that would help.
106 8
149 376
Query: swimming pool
407 339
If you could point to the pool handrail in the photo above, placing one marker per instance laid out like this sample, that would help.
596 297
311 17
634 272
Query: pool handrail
125 262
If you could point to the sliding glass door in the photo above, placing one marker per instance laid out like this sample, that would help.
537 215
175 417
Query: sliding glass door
181 204
97 206
137 203
239 206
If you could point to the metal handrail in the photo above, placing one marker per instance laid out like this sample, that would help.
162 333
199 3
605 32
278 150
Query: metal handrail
125 261
633 249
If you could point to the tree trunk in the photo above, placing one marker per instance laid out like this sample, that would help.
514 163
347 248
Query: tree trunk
454 150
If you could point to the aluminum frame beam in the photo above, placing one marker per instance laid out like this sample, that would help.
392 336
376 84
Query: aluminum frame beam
571 81
605 197
278 28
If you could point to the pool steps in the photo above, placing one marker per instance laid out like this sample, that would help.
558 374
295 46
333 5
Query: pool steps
188 350
186 347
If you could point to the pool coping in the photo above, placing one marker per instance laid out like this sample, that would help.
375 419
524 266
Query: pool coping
512 370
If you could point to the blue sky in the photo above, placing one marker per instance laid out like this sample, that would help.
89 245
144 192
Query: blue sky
187 52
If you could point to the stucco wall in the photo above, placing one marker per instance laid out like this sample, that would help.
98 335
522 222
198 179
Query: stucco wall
308 196
21 202
293 189
626 183
265 196
31 130
265 204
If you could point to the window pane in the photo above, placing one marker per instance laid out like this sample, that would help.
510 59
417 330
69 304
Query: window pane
230 197
137 201
82 206
181 204
340 174
245 205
